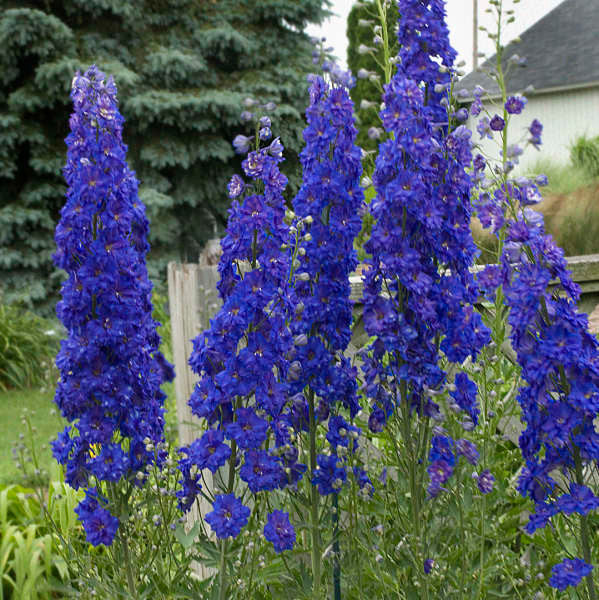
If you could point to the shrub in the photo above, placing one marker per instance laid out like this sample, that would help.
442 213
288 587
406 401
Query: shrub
30 566
28 344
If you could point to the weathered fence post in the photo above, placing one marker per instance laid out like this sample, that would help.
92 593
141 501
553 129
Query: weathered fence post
192 301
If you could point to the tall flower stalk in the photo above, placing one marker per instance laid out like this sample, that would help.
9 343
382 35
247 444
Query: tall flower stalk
329 201
110 366
418 291
559 358
242 359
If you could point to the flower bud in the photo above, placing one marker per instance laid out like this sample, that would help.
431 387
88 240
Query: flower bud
295 370
300 340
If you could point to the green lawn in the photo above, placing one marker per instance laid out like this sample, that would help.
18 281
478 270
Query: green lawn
40 406
42 411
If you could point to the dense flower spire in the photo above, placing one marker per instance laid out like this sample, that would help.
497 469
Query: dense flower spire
560 366
110 366
425 53
330 199
242 358
418 292
558 356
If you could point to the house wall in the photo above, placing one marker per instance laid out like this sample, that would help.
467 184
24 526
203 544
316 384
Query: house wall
564 115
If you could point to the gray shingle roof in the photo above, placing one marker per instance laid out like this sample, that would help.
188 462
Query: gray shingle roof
562 50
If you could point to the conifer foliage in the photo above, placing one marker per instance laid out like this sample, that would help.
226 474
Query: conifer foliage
183 68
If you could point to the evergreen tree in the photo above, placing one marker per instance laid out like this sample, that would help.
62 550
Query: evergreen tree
183 69
361 22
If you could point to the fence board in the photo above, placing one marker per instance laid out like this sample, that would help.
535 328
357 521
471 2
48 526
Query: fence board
192 302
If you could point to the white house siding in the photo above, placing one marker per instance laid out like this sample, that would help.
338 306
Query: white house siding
565 115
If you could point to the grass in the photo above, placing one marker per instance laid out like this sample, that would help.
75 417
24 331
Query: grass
563 179
41 409
570 208
40 406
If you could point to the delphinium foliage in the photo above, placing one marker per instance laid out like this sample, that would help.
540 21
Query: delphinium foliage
182 67
110 366
418 291
557 355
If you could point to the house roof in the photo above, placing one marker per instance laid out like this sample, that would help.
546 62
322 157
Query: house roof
561 49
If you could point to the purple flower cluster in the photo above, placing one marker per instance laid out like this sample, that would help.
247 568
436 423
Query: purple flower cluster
569 572
559 359
330 199
279 531
110 366
242 359
418 291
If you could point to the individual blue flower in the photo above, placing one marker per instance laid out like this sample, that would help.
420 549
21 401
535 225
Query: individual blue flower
439 472
279 531
484 128
249 430
340 432
235 187
485 481
429 563
535 129
514 105
497 123
99 525
468 450
465 394
569 573
208 452
228 516
265 134
242 143
580 500
328 477
262 471
442 448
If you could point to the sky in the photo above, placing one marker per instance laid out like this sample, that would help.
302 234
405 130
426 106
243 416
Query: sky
459 19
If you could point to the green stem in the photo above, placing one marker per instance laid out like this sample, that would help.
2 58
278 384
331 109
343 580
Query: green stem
585 534
314 523
415 503
482 548
222 571
459 498
336 563
128 568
